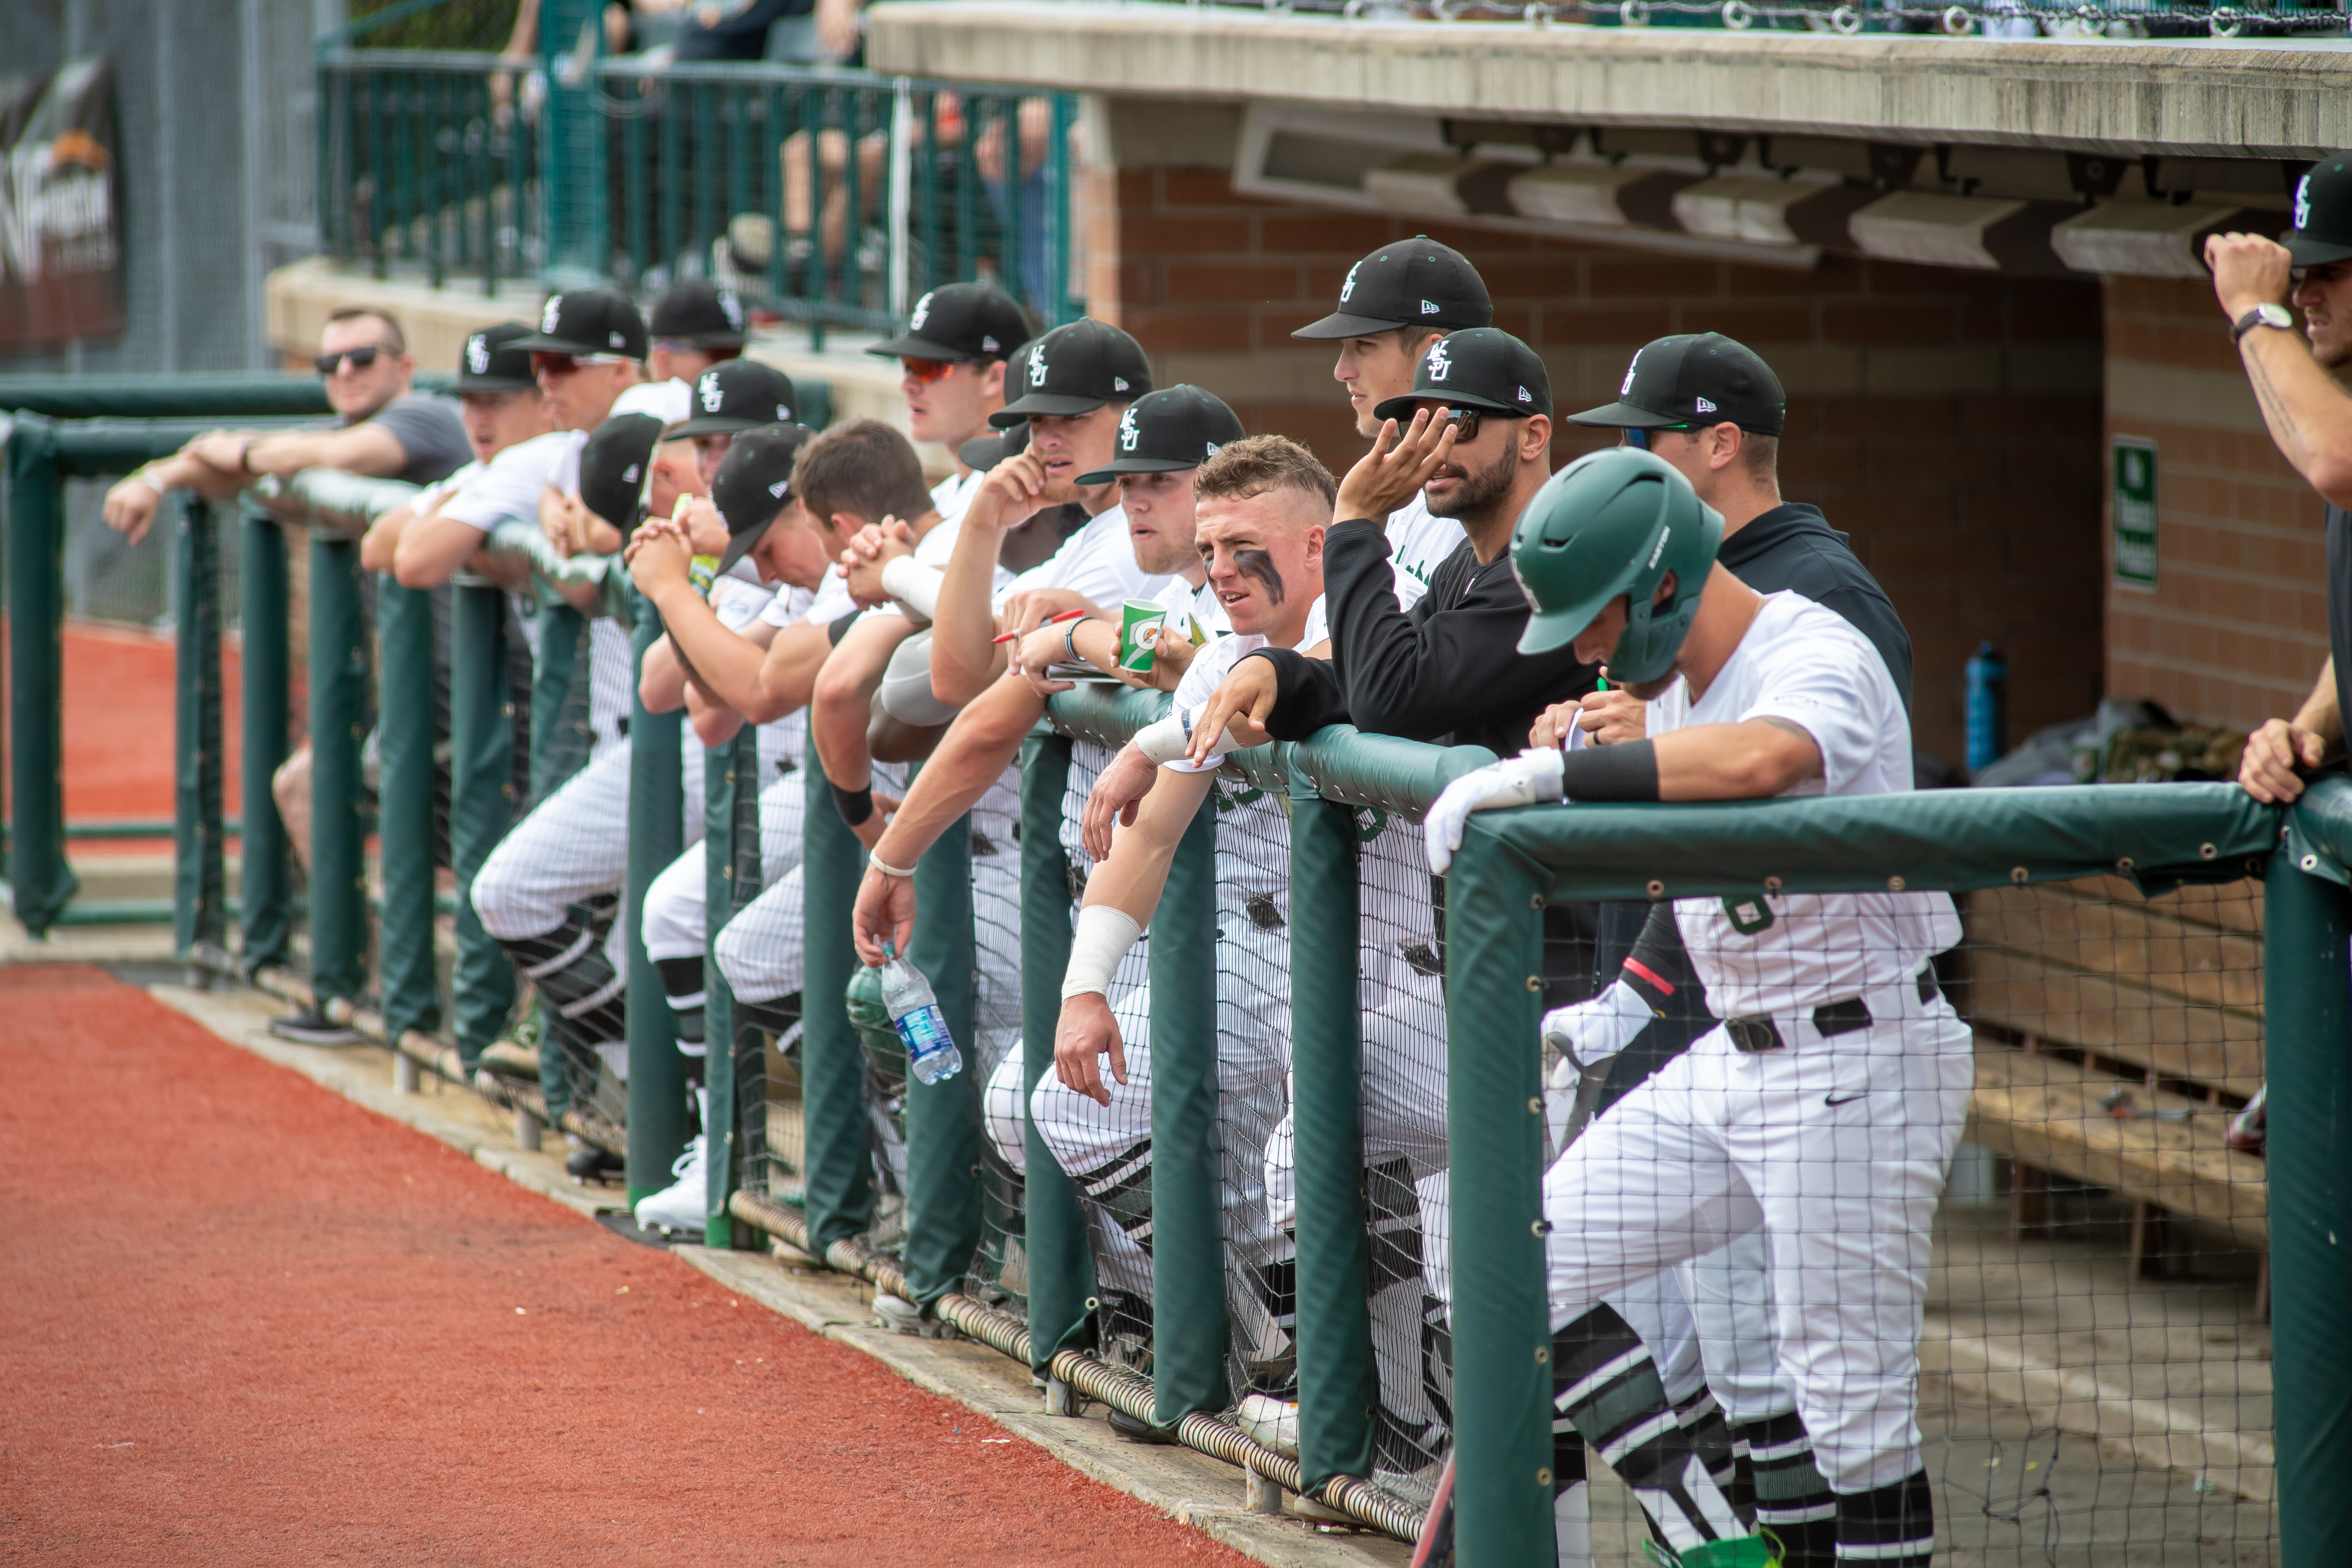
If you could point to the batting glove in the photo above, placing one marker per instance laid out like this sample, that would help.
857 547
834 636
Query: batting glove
1590 1032
1532 775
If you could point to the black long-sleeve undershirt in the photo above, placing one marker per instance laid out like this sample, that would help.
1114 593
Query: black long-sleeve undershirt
1449 670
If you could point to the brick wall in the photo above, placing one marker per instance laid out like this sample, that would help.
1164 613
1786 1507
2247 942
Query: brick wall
2236 629
1948 421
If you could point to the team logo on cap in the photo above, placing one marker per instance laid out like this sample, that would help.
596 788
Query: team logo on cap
1037 364
707 390
1349 287
1628 387
1702 405
923 309
2302 203
477 353
1127 434
551 313
730 308
1436 366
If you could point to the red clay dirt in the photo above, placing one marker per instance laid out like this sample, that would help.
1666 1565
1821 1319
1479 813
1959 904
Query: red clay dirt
118 706
244 1320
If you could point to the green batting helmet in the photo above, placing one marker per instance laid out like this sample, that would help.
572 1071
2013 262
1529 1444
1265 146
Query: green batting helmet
1615 521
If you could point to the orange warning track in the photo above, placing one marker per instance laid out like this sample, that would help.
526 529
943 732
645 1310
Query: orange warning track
248 1322
119 708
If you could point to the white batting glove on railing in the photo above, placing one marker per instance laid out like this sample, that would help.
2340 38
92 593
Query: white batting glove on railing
1590 1032
1532 775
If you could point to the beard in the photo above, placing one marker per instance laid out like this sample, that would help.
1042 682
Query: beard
1479 489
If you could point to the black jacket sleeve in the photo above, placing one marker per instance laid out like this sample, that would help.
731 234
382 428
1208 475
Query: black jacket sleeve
1307 694
1442 669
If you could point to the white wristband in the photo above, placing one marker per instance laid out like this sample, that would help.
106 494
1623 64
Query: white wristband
1165 740
914 585
1104 934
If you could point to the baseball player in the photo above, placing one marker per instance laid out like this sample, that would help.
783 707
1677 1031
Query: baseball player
1395 303
693 326
1263 506
1824 1110
1713 410
953 354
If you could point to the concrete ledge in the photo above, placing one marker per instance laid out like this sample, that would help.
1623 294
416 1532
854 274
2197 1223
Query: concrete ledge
2235 98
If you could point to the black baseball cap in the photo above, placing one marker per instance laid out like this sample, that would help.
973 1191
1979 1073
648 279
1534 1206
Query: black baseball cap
985 451
959 321
1415 282
701 314
738 394
2323 212
1073 370
1482 368
588 321
490 362
1695 378
1166 431
613 465
754 484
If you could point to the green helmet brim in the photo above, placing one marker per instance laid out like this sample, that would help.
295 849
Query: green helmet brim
1548 629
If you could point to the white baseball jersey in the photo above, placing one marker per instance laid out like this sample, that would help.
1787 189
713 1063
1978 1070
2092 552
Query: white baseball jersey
739 605
1254 831
508 485
828 604
934 549
1787 953
1418 542
1199 613
1098 563
952 495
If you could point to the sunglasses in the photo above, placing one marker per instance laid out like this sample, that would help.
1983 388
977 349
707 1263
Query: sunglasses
1639 438
930 370
566 364
361 358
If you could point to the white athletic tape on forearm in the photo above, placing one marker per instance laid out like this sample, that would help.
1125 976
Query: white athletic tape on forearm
914 585
1102 938
1164 741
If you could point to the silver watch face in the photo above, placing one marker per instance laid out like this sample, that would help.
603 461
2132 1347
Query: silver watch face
2274 315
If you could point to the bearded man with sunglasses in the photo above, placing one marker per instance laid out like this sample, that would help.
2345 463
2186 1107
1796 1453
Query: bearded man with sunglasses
384 429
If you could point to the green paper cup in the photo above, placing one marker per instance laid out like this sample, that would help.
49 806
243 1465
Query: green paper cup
1139 622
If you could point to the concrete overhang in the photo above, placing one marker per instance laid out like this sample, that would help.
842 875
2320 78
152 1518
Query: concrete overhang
2236 98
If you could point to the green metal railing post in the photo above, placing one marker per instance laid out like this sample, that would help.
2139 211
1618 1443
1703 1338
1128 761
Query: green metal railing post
482 801
265 871
730 831
1188 1274
40 883
1338 1386
1501 1328
656 827
2307 1056
1054 1240
338 693
558 750
943 1128
199 905
833 1062
404 815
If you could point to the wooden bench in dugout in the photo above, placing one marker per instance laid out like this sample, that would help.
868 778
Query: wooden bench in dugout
2079 989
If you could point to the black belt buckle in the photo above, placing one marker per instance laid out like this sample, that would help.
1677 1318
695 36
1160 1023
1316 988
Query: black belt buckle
1841 1018
1753 1036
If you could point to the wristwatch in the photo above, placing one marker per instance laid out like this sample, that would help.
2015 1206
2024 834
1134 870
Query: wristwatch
2263 315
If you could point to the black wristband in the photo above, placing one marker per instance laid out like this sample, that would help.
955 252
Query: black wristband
1626 772
855 805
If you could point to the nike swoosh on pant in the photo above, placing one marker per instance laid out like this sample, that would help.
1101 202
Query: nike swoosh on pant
1834 1099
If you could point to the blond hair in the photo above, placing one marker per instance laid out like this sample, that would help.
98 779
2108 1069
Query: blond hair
1257 463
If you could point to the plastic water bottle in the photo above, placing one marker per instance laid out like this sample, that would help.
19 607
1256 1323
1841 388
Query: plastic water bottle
1987 707
931 1053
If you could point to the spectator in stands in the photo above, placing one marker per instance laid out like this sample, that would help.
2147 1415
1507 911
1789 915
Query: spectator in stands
2295 374
383 429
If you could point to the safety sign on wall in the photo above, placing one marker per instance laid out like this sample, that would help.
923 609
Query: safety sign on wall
2132 467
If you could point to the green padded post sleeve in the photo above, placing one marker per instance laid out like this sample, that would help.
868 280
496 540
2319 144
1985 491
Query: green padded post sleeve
338 696
943 1131
1061 1268
833 1062
1337 1387
1495 1127
482 801
405 806
39 881
657 1119
198 912
265 871
1188 1259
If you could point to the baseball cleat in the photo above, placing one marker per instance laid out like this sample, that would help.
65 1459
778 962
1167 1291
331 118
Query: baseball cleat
510 1059
594 1164
1744 1551
1135 1429
314 1027
902 1316
1270 1421
684 1205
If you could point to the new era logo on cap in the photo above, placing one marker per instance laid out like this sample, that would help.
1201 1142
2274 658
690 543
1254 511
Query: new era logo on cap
1429 308
631 475
777 489
989 345
1703 405
1525 396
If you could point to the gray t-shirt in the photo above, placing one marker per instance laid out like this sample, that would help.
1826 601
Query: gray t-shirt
429 431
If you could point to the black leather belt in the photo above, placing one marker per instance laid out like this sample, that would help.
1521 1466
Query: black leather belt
1755 1036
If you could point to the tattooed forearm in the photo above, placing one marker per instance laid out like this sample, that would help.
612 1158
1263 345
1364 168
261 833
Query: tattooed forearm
2283 424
